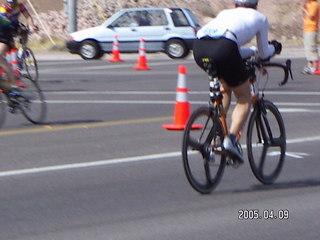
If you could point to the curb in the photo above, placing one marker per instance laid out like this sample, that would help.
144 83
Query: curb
287 52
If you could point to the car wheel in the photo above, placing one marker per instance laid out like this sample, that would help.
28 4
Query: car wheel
176 48
90 50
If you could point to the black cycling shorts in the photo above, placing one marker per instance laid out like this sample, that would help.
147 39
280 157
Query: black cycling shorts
6 36
225 54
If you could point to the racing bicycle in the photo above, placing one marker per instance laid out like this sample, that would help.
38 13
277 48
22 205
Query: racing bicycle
203 155
28 100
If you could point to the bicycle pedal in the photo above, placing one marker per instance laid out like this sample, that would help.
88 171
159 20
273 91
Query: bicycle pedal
12 110
212 159
229 161
233 163
236 164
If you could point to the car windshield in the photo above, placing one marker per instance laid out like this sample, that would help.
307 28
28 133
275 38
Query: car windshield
178 18
193 18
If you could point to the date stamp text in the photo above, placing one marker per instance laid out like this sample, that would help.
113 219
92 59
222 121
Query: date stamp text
266 214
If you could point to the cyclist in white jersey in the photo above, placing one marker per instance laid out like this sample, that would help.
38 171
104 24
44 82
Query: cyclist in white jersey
222 40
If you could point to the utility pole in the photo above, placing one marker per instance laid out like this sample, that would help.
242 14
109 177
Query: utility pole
72 15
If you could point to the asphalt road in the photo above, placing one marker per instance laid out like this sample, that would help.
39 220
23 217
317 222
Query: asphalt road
102 167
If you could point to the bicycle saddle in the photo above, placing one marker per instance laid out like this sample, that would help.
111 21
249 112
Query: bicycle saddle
209 66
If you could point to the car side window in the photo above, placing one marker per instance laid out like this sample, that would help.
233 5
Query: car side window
122 21
128 19
141 18
178 18
158 18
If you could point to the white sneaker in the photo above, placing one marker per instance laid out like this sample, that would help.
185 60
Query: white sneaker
308 70
232 150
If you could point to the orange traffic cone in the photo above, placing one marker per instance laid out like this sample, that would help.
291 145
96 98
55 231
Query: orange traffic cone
317 72
182 106
115 51
142 60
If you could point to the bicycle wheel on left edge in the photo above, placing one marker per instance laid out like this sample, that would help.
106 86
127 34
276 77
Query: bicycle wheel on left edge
201 150
3 108
30 64
32 104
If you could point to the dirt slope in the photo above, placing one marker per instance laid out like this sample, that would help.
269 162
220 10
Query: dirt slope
285 16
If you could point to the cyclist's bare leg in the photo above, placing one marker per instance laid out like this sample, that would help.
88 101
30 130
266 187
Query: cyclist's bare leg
226 93
6 86
242 108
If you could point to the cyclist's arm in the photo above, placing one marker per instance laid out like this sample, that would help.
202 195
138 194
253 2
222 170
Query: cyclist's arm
248 52
29 18
265 50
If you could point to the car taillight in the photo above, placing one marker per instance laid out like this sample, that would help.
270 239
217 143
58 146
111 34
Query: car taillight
70 38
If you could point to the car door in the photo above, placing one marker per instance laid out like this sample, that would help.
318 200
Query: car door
153 26
125 27
182 26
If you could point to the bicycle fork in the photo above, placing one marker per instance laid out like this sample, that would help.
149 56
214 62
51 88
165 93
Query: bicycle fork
264 132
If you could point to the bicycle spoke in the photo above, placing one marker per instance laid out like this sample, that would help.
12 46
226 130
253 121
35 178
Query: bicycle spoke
203 167
266 142
194 144
32 103
263 158
207 171
278 142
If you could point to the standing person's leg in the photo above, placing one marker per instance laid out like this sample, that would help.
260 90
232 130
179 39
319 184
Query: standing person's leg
311 52
315 57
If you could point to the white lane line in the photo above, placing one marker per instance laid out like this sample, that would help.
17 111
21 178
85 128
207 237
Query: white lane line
167 92
118 161
296 155
109 102
101 67
88 164
167 102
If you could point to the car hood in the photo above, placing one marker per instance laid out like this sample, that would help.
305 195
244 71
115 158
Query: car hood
99 33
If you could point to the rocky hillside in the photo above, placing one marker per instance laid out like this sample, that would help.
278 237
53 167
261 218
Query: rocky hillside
285 16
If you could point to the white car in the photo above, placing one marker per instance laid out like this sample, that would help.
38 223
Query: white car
169 30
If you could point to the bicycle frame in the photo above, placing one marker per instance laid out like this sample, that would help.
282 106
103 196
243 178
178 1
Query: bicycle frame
216 96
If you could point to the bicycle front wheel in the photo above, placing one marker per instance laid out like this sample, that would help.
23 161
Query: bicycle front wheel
202 150
3 106
30 64
266 142
32 103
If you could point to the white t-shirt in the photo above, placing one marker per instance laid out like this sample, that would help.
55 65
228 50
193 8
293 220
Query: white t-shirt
245 24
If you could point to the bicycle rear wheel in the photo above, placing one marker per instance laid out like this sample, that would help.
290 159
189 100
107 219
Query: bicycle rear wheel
266 142
202 150
30 64
32 104
3 106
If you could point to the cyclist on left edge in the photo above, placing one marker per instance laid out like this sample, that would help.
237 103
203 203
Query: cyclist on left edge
9 22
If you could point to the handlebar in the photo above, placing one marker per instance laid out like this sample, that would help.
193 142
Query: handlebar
285 67
23 28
